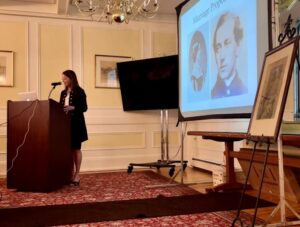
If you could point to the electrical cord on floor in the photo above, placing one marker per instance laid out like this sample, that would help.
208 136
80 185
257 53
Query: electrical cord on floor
24 138
179 148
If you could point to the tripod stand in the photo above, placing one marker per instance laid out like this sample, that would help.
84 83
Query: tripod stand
164 141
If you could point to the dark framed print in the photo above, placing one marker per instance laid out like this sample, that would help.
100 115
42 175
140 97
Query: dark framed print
272 92
105 70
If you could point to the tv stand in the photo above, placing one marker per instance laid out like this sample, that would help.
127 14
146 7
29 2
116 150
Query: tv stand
164 141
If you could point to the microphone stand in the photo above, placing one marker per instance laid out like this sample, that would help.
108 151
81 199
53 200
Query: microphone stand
53 87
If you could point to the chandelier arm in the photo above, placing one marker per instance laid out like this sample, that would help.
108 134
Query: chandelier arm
117 10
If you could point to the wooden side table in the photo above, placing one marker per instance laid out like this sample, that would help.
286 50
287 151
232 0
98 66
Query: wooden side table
228 138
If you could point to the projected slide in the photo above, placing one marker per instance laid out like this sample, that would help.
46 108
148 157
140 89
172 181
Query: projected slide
219 56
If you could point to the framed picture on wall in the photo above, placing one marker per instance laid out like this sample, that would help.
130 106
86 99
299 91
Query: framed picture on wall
272 92
105 70
6 68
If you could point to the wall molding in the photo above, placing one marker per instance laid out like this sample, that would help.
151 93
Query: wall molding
155 133
114 133
115 163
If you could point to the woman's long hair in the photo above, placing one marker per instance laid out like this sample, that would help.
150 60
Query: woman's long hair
72 76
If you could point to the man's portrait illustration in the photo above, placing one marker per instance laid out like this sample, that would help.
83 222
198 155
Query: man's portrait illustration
227 38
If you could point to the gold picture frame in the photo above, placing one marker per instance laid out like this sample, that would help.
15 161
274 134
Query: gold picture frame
6 68
105 70
272 92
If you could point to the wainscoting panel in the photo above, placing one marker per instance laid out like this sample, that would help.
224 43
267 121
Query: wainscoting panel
116 140
3 143
173 138
112 161
2 163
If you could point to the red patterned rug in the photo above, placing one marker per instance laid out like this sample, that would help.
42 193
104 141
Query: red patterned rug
97 187
110 187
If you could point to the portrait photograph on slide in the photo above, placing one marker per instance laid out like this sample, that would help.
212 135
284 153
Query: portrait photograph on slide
272 92
229 71
198 66
221 50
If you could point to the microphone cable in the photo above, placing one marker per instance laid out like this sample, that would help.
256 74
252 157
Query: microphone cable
5 123
17 115
24 138
179 148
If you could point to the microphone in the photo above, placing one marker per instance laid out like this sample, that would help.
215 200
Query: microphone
55 83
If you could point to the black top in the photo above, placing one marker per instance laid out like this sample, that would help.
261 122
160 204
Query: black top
78 127
236 87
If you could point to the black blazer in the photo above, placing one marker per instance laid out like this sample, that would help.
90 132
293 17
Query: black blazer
235 88
78 100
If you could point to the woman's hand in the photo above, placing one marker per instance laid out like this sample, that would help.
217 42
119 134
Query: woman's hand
69 108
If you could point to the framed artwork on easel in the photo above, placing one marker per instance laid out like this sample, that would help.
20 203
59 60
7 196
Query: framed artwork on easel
272 92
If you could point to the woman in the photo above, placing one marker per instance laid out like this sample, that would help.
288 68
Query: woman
73 99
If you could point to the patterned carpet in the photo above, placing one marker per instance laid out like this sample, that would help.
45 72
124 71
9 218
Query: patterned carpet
116 186
97 187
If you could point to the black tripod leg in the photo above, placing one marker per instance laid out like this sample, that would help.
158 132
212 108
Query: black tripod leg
237 218
260 185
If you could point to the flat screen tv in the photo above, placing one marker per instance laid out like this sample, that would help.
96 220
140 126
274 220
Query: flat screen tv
221 51
149 84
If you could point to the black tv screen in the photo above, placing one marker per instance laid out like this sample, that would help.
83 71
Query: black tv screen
149 84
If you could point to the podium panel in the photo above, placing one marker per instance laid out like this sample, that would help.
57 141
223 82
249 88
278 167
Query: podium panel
44 162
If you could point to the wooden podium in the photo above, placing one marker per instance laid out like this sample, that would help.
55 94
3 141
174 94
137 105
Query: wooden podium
44 162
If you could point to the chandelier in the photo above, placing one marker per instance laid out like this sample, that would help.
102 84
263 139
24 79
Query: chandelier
118 11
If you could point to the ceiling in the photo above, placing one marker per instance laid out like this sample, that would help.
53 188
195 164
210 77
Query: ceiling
62 8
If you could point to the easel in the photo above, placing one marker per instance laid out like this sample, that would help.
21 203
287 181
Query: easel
282 202
277 136
164 161
288 32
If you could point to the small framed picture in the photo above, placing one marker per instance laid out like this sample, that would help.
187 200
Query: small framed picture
272 92
6 68
106 70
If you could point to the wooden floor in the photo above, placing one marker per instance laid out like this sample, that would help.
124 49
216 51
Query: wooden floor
200 180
